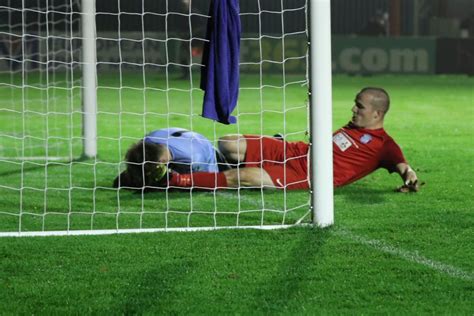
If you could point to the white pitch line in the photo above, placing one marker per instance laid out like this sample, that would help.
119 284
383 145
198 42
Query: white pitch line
412 256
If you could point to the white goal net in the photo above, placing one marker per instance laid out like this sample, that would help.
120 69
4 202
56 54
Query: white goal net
39 83
147 78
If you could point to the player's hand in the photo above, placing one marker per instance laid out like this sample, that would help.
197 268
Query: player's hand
410 186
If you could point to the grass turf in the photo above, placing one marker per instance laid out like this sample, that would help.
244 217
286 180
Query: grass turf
387 253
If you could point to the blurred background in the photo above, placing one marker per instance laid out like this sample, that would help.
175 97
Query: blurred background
149 52
370 36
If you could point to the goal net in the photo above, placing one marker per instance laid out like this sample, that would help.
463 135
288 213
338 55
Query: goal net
39 86
147 76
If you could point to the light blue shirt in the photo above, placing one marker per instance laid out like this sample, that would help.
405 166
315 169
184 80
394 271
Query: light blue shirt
186 147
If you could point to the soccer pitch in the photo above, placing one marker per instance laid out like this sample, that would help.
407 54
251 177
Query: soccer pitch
387 253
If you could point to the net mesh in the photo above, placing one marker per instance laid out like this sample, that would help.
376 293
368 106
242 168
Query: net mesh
148 71
39 86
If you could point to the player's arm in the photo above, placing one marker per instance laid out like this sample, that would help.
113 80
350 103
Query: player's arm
408 175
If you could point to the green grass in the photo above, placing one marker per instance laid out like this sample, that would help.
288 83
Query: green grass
388 253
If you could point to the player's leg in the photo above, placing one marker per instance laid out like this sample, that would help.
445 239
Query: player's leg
275 176
248 177
232 178
253 150
233 147
292 177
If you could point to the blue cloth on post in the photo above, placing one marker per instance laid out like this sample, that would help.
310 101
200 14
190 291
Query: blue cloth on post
220 73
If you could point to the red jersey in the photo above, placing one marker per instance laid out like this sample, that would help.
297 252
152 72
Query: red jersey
358 152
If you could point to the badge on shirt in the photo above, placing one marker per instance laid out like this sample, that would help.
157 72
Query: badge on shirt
341 141
366 138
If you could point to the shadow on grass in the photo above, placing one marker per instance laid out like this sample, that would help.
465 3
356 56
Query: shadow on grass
362 194
24 170
281 292
176 193
163 286
154 288
41 166
161 194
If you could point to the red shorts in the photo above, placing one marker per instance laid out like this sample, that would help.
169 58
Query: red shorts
285 162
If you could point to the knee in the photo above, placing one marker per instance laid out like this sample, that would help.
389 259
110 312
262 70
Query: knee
233 147
228 143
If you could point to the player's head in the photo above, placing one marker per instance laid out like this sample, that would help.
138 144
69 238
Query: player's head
370 106
142 159
147 152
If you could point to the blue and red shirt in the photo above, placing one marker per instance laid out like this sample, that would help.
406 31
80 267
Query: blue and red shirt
189 150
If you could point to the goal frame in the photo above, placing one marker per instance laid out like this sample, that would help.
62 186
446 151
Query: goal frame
320 82
320 129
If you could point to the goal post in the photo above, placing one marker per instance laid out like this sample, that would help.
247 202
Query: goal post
321 113
88 79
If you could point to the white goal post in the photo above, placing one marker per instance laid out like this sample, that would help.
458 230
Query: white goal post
80 82
321 112
89 75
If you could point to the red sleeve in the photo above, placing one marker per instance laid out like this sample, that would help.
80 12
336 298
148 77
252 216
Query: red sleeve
391 156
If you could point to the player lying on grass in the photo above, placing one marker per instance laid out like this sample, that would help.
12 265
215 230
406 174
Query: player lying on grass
182 150
359 148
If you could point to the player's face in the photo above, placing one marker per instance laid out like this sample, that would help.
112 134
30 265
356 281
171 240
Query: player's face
363 113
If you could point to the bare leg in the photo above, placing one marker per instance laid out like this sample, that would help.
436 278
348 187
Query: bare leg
248 177
233 147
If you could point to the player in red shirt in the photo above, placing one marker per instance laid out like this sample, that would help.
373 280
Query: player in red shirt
359 148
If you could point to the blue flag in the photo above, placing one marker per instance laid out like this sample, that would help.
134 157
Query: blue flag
220 73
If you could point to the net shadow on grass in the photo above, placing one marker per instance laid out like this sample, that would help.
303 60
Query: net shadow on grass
39 166
279 294
163 285
154 288
223 208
